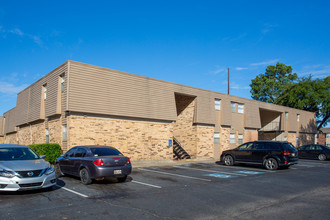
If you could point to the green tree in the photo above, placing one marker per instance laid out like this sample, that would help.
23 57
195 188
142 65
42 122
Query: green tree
270 85
310 95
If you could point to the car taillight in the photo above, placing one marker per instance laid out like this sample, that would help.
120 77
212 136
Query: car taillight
99 162
286 153
128 161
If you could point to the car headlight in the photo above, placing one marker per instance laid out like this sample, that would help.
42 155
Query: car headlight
49 171
6 173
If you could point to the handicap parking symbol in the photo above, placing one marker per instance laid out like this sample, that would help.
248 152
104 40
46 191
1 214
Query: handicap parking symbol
248 172
219 175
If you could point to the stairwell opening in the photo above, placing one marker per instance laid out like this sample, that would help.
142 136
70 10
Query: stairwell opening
184 131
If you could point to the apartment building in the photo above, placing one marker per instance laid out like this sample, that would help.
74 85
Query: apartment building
323 137
79 104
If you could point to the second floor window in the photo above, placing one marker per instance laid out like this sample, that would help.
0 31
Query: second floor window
45 91
233 106
240 108
62 83
217 104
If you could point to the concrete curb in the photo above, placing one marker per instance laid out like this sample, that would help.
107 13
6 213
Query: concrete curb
160 163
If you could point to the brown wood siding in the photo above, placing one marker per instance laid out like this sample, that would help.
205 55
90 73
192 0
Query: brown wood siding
22 107
10 121
104 91
1 126
29 100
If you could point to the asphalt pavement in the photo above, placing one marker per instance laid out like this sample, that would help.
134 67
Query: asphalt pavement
183 190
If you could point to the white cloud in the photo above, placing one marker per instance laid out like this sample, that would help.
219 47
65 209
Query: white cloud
317 71
240 68
263 63
19 32
218 70
9 89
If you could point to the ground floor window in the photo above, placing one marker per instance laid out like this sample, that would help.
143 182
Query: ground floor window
232 138
240 139
64 133
216 137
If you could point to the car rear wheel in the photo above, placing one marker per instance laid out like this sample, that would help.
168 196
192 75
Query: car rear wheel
271 164
122 179
58 171
229 160
84 177
322 157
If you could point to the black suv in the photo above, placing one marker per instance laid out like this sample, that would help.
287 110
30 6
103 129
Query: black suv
271 154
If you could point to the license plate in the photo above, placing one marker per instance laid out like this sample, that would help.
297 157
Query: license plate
293 154
117 171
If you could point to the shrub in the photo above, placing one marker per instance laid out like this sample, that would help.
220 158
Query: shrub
51 151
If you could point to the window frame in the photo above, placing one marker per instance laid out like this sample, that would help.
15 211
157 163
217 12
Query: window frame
233 107
232 140
217 104
216 138
241 111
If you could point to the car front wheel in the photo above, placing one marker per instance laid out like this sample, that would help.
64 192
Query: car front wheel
271 164
322 157
84 177
229 160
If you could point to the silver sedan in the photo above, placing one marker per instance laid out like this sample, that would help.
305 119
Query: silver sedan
22 169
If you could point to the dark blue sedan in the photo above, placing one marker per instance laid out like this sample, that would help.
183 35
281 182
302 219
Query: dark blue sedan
94 162
314 151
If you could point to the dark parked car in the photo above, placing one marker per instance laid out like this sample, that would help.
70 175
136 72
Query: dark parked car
314 151
94 163
271 154
23 169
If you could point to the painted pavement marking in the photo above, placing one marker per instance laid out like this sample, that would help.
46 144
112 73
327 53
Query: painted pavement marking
249 172
172 174
220 175
210 171
147 184
72 191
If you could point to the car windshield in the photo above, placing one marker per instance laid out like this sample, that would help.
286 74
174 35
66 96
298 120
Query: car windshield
105 152
22 153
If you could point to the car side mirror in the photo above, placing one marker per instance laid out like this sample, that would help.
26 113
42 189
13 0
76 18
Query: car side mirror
42 156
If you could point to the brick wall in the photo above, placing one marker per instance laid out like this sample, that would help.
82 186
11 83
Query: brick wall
24 135
250 135
205 141
55 131
225 139
139 140
11 138
321 138
292 138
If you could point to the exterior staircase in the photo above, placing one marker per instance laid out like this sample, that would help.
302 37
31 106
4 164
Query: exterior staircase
178 151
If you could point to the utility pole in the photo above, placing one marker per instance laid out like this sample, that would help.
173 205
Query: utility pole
228 80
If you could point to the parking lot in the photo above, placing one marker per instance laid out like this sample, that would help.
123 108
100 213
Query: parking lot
191 191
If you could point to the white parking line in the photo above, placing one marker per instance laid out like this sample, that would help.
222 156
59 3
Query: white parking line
147 184
211 171
247 168
172 174
70 190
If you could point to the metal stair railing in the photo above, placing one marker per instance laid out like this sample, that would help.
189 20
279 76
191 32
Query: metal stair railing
179 152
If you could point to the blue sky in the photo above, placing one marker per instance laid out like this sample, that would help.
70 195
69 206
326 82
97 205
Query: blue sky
186 42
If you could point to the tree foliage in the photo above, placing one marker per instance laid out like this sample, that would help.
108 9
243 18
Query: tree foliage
310 95
279 85
270 85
